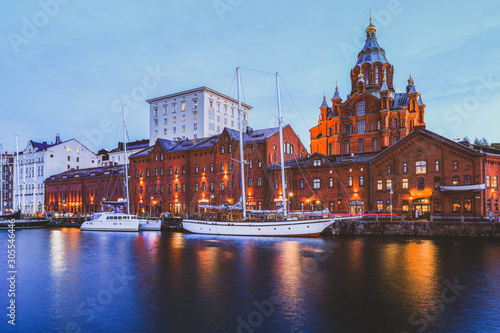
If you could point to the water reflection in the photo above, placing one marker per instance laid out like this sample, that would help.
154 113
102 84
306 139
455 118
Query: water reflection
194 283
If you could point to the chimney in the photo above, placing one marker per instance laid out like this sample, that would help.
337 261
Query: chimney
58 138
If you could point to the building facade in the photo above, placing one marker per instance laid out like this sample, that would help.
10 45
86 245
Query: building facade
6 182
193 114
82 191
374 115
178 176
115 156
38 161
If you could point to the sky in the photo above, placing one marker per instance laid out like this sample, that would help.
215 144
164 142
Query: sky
67 66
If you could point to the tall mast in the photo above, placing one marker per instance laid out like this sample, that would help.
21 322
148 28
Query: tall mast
126 160
17 174
242 161
281 145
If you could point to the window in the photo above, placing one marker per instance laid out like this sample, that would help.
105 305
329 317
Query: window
378 124
170 171
375 148
488 204
495 181
376 75
183 106
395 123
196 168
203 186
229 185
388 184
259 181
361 145
371 126
174 130
388 205
405 183
195 103
467 205
316 162
250 182
389 169
380 205
379 185
455 205
203 169
437 182
229 166
350 182
455 180
405 167
361 181
156 172
421 183
230 149
437 166
331 182
360 110
488 181
211 167
195 115
211 104
195 126
302 184
467 180
394 140
174 106
455 165
222 149
196 187
347 147
316 183
250 164
406 206
222 166
147 189
174 119
147 172
421 167
437 205
222 186
496 204
211 186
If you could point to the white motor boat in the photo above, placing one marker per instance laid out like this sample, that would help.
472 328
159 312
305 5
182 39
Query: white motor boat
109 221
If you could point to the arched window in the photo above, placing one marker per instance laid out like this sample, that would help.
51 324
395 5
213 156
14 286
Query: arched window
361 109
395 123
347 147
376 75
345 129
350 128
361 145
375 147
395 139
378 124
331 148
331 131
366 76
371 126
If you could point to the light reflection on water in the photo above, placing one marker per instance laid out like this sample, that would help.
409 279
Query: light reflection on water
152 281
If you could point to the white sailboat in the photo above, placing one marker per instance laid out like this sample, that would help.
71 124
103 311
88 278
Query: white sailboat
116 220
290 226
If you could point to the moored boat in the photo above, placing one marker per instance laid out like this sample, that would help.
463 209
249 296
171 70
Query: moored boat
110 221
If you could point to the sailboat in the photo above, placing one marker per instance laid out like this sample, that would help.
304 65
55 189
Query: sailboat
291 225
117 220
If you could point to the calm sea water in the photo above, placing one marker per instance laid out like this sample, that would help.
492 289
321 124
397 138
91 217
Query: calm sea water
73 281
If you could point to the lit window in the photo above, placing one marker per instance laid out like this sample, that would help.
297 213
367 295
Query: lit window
421 167
389 184
405 183
316 183
455 180
379 185
183 106
456 205
455 165
350 181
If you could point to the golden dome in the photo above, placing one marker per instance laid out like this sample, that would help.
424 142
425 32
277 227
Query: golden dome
371 27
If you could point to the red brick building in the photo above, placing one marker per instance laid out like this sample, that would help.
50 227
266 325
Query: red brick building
425 171
177 176
82 191
373 116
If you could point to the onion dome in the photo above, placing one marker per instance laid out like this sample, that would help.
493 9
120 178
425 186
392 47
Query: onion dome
371 52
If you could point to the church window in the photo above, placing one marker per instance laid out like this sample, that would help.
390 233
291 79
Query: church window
375 147
361 126
378 124
395 123
376 75
366 76
361 109
347 147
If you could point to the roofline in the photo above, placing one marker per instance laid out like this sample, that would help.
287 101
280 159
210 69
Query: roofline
204 88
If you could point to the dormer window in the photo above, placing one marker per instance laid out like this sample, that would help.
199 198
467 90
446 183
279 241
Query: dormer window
316 162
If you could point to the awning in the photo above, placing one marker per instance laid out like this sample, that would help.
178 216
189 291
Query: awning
463 188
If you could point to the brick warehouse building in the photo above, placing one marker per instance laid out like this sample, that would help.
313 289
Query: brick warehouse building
425 171
82 191
177 176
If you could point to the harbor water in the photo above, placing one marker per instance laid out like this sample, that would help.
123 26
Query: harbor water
73 281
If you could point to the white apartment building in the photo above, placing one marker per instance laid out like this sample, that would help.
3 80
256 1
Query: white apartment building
6 168
192 114
39 161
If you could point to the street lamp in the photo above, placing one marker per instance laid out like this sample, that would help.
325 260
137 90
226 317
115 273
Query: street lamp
211 196
390 195
150 204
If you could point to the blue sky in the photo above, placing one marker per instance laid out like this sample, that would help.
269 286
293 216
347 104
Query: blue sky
67 65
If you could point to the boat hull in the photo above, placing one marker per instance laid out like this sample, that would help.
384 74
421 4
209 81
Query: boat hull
150 225
24 224
301 228
110 226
